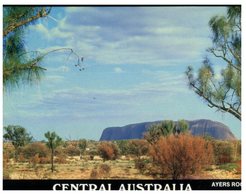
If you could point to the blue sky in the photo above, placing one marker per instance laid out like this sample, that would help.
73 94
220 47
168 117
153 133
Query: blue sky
134 59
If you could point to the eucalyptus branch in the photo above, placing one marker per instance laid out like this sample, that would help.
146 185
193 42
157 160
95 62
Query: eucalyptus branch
234 54
224 58
211 104
223 94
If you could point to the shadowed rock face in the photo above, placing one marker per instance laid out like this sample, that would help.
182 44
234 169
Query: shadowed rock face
201 127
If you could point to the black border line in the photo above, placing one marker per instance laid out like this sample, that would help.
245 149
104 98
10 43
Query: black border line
123 5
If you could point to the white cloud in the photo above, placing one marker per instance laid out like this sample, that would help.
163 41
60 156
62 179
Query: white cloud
162 36
53 33
60 69
169 30
118 70
54 78
41 28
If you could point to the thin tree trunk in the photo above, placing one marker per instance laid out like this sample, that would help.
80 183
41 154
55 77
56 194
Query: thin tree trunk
52 160
16 154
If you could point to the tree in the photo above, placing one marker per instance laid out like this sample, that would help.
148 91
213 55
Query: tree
165 128
179 156
82 146
19 65
182 126
153 134
53 142
221 91
17 17
18 136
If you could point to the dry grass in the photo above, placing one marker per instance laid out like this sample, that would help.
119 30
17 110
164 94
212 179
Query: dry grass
76 169
82 169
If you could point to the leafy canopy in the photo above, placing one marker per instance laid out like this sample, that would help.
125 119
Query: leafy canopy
221 91
17 135
164 129
53 140
20 66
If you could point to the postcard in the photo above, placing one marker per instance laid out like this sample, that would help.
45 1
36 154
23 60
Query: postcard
121 97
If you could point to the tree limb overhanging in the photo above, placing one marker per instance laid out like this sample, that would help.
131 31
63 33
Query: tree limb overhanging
229 108
15 25
222 90
19 65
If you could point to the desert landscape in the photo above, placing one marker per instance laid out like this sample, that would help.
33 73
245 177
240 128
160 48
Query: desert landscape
125 159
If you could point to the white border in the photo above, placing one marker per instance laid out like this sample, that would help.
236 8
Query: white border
136 2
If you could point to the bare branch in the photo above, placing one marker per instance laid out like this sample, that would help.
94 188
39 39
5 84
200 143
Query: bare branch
234 54
211 50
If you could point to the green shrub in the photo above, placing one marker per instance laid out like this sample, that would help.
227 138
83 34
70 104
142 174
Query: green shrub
138 147
224 151
123 146
229 166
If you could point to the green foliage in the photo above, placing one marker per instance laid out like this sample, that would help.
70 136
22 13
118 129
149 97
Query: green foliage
133 147
153 134
229 166
18 136
224 151
165 128
182 126
20 66
138 147
53 142
123 146
223 91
